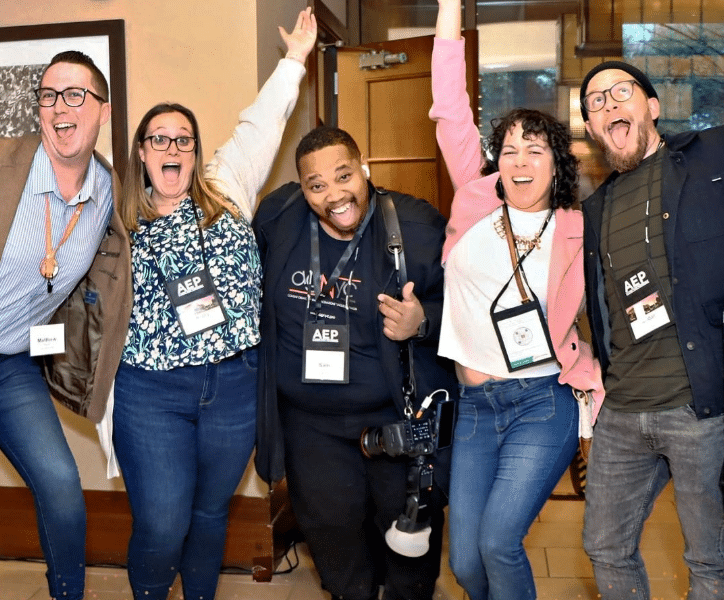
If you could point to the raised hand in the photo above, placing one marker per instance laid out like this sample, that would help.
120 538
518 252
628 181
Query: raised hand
301 40
448 19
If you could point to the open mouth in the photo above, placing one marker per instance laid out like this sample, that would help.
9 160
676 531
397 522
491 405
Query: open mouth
618 130
522 180
340 210
171 172
64 129
171 168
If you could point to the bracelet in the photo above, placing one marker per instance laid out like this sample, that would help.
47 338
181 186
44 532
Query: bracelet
295 56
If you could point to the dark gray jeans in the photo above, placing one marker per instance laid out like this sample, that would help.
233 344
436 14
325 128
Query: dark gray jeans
632 458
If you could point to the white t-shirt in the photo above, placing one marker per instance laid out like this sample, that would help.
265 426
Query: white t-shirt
477 268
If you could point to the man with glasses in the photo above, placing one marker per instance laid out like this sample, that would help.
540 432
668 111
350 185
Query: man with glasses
654 246
65 279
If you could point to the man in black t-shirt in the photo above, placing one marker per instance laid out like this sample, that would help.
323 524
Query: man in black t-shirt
335 328
654 246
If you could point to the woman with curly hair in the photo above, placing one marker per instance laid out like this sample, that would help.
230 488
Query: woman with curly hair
513 290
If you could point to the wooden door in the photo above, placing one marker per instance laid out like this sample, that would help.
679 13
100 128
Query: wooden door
386 112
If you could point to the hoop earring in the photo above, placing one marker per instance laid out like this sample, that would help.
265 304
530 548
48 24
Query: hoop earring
554 190
499 189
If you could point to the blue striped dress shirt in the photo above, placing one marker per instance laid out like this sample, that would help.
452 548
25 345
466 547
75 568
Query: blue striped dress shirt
25 300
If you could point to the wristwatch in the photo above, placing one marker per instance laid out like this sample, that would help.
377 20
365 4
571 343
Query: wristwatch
422 328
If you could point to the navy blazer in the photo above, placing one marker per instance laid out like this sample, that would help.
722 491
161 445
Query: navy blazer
693 221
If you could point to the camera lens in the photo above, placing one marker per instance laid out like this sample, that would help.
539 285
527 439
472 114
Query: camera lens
371 442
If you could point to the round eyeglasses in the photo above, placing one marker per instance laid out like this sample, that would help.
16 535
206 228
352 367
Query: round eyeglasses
72 96
620 92
184 143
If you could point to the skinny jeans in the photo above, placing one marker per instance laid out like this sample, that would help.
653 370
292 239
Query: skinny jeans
183 439
513 441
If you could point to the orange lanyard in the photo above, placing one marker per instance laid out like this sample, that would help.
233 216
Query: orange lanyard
49 266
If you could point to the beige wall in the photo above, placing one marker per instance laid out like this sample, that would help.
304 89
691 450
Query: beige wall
207 55
269 50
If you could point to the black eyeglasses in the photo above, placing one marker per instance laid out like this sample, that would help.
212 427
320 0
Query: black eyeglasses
184 143
72 96
620 92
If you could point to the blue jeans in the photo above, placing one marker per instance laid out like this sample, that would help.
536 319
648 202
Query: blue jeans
33 440
183 439
632 458
514 440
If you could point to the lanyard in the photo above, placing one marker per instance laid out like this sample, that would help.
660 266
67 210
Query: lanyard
516 259
343 260
201 243
194 297
201 235
49 265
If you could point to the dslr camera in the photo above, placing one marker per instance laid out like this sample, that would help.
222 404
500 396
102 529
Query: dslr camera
417 439
411 437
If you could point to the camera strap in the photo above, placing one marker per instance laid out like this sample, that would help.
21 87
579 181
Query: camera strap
396 248
394 236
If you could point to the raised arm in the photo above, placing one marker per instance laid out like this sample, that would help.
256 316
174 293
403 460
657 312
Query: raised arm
241 166
457 135
301 40
448 20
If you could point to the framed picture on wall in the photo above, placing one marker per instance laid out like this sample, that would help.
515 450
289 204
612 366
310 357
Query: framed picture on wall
26 50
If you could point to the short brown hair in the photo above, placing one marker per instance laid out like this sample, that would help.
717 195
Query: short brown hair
78 58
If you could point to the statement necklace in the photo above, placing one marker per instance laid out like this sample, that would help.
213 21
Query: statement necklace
522 243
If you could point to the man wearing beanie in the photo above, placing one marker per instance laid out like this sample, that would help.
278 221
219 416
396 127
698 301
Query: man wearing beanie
654 257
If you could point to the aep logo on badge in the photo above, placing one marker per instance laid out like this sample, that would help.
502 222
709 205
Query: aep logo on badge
325 335
191 285
635 282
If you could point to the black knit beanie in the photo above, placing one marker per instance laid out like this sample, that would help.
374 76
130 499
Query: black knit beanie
639 76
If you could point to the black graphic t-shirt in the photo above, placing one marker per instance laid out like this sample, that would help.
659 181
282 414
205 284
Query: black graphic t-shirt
367 389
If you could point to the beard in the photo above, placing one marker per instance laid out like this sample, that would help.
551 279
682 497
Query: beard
618 159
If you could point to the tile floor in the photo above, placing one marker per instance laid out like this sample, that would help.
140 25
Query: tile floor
560 566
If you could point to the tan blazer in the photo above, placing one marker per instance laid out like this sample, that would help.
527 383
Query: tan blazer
96 314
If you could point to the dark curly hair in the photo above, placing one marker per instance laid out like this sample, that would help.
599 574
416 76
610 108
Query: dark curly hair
537 123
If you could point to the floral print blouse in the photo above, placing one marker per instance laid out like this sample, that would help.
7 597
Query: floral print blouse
168 248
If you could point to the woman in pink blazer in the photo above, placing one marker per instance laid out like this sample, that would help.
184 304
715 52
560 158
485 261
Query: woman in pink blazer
513 291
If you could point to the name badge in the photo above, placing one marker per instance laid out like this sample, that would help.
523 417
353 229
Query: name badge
326 353
47 339
523 336
643 302
196 302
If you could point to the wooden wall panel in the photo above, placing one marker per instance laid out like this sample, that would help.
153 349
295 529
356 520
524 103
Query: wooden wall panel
258 531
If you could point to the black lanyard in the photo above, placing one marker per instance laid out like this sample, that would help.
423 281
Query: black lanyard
201 243
315 260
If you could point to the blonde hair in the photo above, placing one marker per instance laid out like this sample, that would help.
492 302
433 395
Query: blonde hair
135 202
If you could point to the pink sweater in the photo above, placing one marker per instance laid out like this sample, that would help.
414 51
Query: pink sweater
475 198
